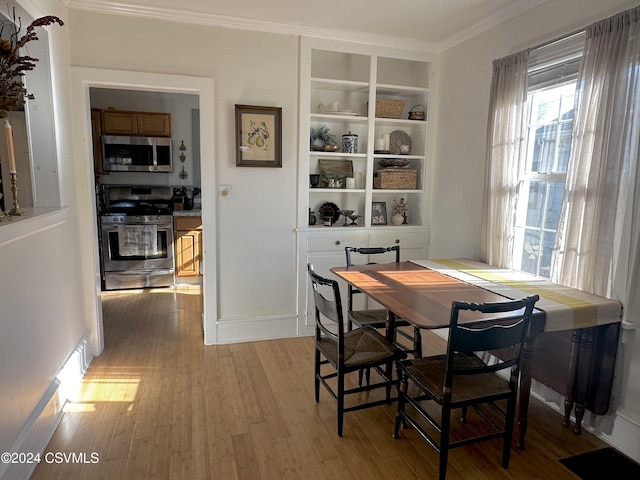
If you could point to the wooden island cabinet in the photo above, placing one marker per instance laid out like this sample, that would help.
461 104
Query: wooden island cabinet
187 246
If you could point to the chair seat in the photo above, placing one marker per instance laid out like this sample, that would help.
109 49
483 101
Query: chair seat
373 318
429 374
362 347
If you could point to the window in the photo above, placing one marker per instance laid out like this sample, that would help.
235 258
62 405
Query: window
553 72
542 179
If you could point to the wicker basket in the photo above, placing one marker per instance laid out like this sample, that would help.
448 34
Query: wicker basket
396 178
386 108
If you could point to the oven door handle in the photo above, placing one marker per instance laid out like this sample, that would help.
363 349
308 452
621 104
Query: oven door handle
154 271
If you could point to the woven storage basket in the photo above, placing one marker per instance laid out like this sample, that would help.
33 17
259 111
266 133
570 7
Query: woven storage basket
386 108
396 178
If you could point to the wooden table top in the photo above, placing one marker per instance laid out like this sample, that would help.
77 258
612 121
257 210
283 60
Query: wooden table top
415 293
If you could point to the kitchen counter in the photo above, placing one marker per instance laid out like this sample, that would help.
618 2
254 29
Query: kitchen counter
196 212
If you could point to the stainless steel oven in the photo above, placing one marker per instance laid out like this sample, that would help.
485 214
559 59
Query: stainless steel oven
136 234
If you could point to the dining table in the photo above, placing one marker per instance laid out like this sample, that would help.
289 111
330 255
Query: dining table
422 292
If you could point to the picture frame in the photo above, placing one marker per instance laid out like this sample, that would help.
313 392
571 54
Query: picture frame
258 136
378 213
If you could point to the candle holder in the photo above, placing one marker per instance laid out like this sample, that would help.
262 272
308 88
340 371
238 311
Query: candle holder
15 210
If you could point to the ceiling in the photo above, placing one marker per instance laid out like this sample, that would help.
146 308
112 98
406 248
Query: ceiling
437 23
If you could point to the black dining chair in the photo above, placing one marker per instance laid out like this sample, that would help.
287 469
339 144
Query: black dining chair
377 318
342 352
467 376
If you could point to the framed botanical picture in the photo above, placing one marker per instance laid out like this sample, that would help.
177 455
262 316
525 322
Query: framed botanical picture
378 213
258 136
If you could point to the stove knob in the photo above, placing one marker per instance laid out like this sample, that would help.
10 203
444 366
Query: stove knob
137 219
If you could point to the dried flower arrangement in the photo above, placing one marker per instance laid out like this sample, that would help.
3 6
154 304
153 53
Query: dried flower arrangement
13 65
321 136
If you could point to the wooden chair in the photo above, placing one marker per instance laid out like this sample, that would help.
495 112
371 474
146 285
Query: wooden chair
467 376
347 352
377 318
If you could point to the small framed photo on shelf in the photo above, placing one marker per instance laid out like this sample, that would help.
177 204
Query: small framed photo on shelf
258 136
378 213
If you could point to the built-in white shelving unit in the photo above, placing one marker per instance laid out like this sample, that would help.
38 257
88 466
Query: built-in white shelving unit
339 86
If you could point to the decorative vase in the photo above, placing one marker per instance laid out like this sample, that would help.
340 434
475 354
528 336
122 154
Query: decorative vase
350 143
397 219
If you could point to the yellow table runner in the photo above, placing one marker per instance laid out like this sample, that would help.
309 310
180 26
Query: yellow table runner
565 308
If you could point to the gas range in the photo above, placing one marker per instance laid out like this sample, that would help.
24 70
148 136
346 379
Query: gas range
131 219
136 234
139 201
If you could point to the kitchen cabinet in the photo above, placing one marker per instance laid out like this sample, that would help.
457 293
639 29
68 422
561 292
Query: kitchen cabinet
149 124
188 246
96 133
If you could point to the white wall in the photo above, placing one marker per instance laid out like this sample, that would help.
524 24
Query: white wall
256 229
460 155
42 313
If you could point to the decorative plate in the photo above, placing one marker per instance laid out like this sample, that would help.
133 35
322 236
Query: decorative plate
397 138
329 209
393 162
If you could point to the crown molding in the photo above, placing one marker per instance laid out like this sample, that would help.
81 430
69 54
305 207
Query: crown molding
196 18
487 24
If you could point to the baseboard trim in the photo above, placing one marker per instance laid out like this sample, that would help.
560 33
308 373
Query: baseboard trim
625 436
45 418
625 433
250 329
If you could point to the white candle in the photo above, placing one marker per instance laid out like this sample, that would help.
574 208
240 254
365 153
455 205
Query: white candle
12 156
385 137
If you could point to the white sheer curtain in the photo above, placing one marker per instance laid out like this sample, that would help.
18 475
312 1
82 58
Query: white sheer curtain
506 144
598 235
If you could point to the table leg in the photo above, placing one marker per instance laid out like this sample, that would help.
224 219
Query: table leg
526 365
390 331
390 334
583 375
571 378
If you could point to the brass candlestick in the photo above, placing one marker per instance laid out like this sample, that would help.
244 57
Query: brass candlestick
15 210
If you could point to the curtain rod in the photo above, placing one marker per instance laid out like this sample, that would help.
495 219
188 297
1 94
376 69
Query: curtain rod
558 39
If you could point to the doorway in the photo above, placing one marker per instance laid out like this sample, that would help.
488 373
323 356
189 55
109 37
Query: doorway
83 80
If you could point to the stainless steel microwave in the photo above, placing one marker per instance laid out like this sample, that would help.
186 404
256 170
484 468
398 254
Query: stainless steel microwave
136 154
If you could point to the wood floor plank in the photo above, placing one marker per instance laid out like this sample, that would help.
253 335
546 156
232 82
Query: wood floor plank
160 456
159 404
245 457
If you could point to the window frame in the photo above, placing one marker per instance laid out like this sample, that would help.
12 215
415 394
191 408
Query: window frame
527 177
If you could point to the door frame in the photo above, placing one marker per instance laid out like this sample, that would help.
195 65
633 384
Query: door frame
82 79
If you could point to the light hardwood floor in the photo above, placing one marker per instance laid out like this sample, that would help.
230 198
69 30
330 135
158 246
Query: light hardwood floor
159 404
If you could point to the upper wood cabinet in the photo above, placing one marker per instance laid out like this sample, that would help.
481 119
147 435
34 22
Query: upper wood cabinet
96 133
150 124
